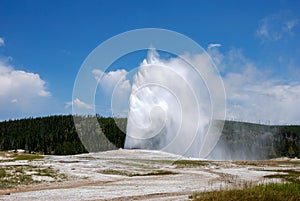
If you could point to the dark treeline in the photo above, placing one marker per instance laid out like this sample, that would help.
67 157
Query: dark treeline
58 135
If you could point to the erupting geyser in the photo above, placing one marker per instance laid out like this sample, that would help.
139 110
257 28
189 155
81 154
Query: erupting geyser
170 106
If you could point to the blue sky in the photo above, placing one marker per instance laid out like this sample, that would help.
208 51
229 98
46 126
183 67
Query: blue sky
45 42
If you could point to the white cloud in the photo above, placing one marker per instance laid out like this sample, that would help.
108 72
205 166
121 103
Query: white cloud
252 99
212 45
276 27
21 93
113 91
230 61
291 24
14 100
17 83
111 97
80 104
109 80
254 96
2 41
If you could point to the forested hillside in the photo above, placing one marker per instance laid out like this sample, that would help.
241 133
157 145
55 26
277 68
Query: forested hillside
54 134
244 141
57 135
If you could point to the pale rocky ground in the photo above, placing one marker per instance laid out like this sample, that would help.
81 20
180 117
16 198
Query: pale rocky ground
121 175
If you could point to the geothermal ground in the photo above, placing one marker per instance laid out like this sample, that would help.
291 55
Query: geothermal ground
129 175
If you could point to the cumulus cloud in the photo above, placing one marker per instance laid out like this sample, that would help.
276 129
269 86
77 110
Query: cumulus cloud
20 84
111 97
212 45
255 100
108 81
113 91
253 95
21 92
276 27
2 42
80 104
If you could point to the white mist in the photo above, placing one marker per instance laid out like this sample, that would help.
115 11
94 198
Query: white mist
170 108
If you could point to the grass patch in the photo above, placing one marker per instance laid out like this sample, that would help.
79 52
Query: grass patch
2 173
10 156
12 180
19 170
290 175
29 157
135 174
256 163
189 163
293 163
272 163
47 172
154 173
114 172
12 176
273 191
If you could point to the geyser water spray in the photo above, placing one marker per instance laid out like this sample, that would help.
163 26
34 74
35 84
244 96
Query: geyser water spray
169 107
